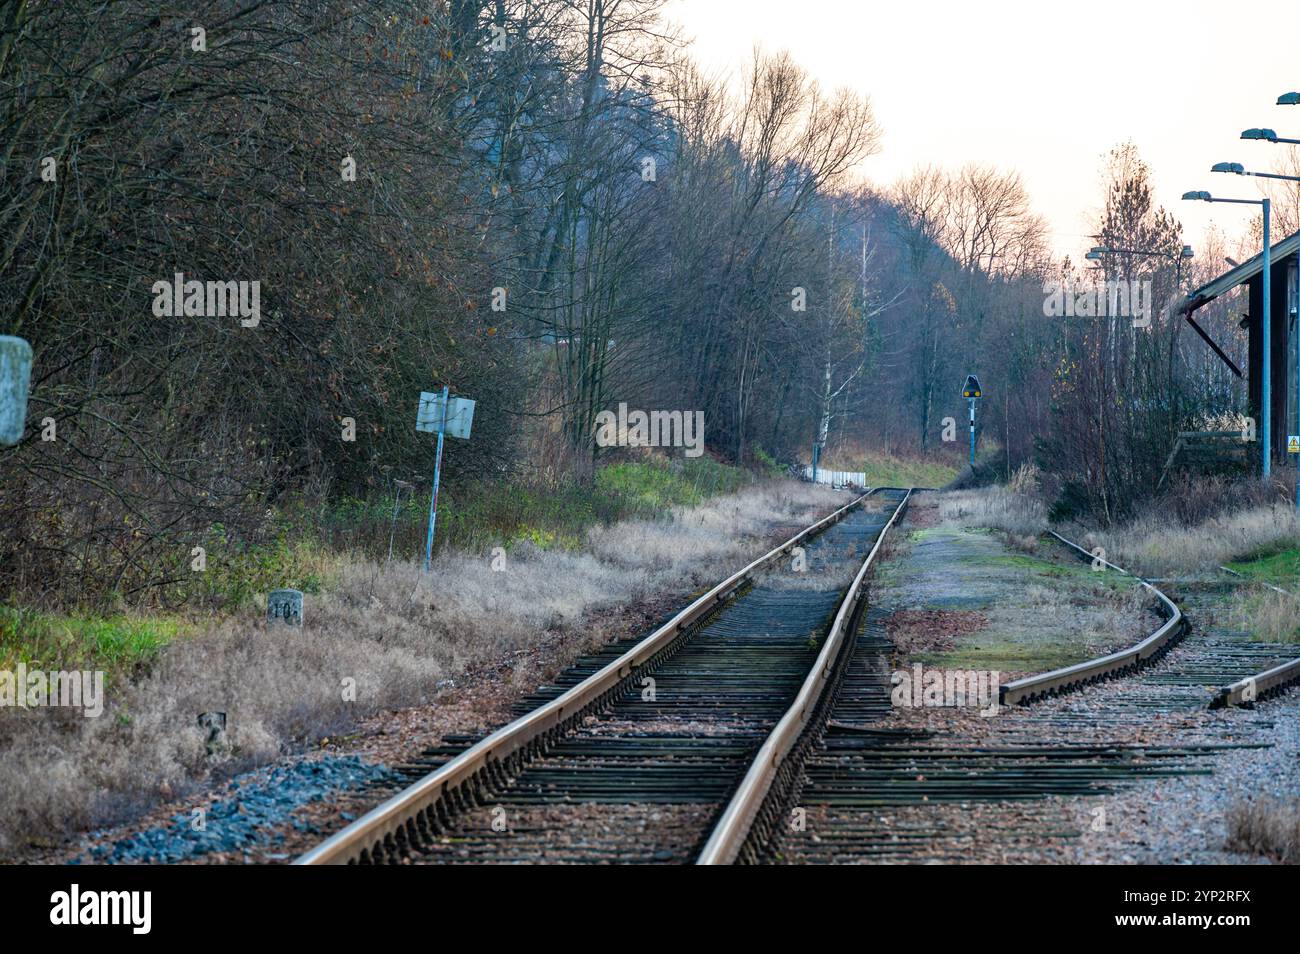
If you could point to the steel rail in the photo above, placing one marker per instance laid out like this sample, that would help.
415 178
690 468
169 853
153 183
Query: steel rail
1125 661
1260 686
729 834
1254 688
399 818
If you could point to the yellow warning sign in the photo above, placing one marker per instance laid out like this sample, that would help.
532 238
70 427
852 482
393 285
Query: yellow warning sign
1293 444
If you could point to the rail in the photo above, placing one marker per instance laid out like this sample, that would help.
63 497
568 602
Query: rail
400 819
1031 688
733 827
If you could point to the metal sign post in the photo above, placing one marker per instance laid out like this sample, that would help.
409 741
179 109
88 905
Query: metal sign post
437 472
971 392
445 415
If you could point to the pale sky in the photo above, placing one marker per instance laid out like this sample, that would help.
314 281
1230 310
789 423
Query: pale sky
1044 88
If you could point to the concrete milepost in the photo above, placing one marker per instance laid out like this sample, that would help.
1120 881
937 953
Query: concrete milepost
284 606
441 414
15 379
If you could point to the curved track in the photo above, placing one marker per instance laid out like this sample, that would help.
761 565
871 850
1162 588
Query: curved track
868 792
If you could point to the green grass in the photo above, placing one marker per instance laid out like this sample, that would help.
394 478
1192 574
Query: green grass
985 651
885 471
481 515
1268 616
1280 567
650 486
115 644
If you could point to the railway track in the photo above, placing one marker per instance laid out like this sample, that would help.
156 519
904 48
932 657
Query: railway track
634 755
867 791
1259 686
750 728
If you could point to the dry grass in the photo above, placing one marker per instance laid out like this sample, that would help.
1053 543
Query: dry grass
1266 826
1268 616
1160 546
392 629
1002 508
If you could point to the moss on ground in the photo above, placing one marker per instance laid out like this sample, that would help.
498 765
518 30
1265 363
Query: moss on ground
1045 610
986 650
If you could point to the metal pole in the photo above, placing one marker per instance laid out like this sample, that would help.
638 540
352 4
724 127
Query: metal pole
392 532
1297 378
816 458
972 434
1266 372
437 472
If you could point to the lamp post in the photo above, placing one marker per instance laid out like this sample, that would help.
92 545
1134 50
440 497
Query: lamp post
1266 391
1268 135
1096 253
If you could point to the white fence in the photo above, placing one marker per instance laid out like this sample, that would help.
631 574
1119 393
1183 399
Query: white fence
836 478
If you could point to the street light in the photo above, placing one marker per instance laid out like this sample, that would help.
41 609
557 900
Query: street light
1095 254
1268 135
1265 382
1097 251
1286 99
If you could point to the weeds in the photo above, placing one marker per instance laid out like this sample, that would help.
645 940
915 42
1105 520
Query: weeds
1000 508
1266 826
1269 616
1157 545
395 632
48 641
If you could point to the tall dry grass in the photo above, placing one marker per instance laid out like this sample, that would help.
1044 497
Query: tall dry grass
390 629
1269 616
1266 826
1157 545
1011 508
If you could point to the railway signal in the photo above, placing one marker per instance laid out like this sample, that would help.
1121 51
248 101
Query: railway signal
971 392
441 414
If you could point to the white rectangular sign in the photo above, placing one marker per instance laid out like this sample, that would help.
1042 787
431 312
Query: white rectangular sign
460 415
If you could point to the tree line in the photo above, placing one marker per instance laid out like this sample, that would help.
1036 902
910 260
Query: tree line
544 204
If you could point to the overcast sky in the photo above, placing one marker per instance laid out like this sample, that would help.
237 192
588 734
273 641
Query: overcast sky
1043 88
